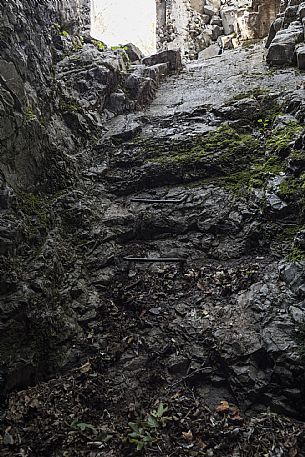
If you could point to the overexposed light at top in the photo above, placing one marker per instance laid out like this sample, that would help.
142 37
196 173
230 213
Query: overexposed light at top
118 22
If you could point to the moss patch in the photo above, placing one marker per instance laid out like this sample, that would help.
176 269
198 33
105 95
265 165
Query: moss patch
281 138
296 254
36 215
254 93
225 144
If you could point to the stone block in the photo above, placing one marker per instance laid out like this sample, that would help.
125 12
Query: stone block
282 48
210 9
205 18
210 52
172 57
216 20
214 31
300 53
133 52
301 10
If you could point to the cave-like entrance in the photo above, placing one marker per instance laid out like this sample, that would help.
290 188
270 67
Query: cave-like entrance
188 25
118 22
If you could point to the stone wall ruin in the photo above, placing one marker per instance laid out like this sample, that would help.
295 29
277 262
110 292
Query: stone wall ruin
194 25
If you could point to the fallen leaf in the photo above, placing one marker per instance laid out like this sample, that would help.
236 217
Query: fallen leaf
201 444
223 407
235 416
200 285
85 368
188 436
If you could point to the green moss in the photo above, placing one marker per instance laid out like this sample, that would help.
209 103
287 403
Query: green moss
288 233
77 43
99 45
71 106
297 155
292 191
29 115
291 188
296 254
254 93
281 138
225 144
34 205
255 177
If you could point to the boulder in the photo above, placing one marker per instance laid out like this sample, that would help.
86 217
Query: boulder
275 27
301 10
282 48
205 18
300 53
133 52
210 52
228 17
214 31
210 9
172 57
216 20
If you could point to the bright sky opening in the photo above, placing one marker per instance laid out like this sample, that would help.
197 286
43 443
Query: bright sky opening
118 22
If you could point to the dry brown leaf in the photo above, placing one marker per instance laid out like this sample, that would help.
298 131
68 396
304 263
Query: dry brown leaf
223 407
188 436
236 417
200 285
85 368
201 444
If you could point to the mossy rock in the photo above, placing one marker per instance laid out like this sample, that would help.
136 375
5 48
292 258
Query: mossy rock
282 138
226 146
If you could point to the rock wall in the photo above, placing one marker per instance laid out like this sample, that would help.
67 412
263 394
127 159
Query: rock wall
57 89
286 38
193 25
28 86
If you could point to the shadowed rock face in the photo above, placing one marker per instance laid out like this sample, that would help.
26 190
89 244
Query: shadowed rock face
217 158
57 90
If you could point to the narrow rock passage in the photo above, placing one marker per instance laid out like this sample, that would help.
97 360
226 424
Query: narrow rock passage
211 338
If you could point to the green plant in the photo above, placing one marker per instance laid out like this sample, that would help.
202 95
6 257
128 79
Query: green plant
119 47
34 205
145 431
83 426
226 144
264 124
30 115
139 436
99 45
77 43
56 26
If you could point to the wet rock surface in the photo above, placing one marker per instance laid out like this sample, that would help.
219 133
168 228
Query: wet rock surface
196 179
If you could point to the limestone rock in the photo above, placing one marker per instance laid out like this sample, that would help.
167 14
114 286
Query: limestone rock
275 27
282 48
172 57
300 53
133 52
210 52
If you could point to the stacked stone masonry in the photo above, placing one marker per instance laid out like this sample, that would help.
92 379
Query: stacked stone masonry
194 25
